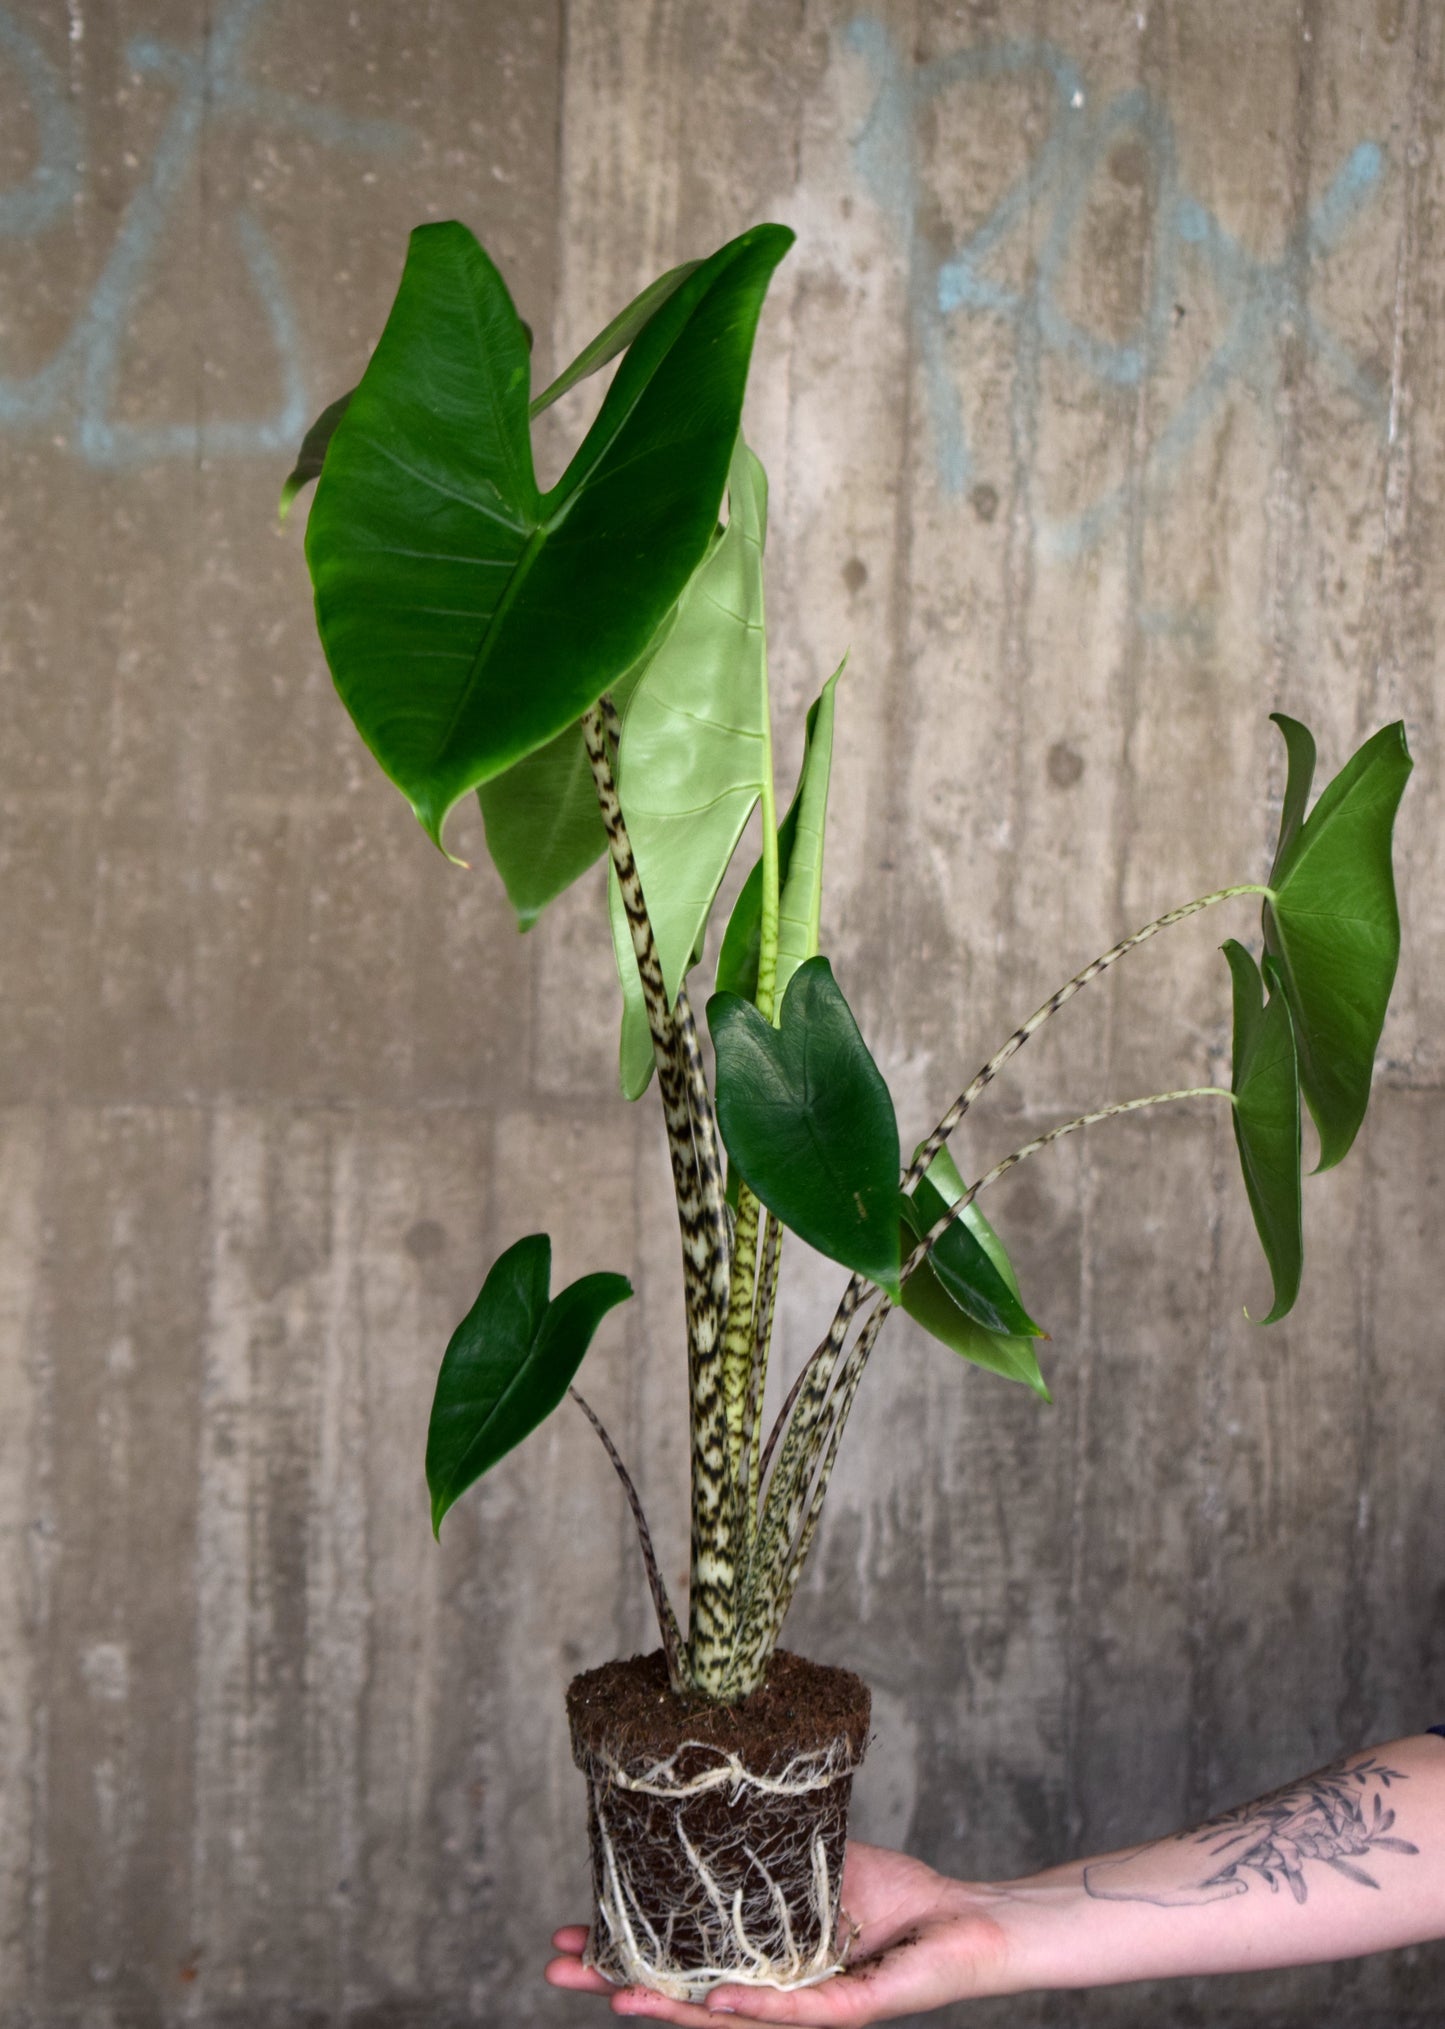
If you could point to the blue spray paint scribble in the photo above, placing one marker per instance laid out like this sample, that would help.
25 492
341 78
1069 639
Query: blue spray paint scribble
77 384
1263 299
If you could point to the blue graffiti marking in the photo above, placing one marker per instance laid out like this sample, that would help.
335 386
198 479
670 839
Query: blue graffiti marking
1262 299
78 382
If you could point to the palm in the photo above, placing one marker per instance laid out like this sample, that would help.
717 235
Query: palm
919 1940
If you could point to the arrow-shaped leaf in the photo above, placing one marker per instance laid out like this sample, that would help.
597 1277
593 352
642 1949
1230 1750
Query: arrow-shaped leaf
963 1261
800 869
929 1303
509 1364
1266 1093
806 1118
618 335
467 617
1332 925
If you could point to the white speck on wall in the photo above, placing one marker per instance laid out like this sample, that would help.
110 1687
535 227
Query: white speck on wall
77 20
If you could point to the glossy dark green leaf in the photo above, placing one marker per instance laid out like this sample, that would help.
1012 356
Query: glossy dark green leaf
509 1364
543 827
965 1267
1267 1120
312 455
618 335
695 753
605 347
1299 744
800 869
467 617
1332 925
928 1302
807 1121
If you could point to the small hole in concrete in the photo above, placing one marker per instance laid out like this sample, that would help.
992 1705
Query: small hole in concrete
1064 765
425 1240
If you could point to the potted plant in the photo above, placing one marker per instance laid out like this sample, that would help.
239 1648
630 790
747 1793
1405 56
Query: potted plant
590 661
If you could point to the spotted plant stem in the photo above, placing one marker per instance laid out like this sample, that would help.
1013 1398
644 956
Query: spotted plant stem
758 1374
662 1605
849 1375
800 1420
1051 1006
697 1185
767 1604
795 1520
812 1384
961 1205
738 1336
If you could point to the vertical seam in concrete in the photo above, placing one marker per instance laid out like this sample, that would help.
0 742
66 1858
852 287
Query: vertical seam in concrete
1129 682
1286 507
880 918
1385 683
1074 1621
1202 1700
1356 1720
42 1560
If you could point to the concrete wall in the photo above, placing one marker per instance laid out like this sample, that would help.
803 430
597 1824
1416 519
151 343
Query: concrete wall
1102 400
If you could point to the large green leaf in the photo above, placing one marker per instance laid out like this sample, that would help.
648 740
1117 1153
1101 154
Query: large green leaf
807 1120
960 1258
800 869
1266 1093
466 616
543 827
1332 925
695 751
509 1364
929 1303
618 335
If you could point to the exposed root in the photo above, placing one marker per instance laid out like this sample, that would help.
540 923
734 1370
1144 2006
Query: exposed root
706 1872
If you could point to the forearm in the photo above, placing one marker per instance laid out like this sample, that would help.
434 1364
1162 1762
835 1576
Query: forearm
1347 1861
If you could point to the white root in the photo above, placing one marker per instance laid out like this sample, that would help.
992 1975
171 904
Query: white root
750 1912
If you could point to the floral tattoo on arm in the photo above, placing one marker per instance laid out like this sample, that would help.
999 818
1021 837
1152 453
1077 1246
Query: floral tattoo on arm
1337 1817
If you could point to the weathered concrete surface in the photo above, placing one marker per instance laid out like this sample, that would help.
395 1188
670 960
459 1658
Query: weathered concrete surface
1102 399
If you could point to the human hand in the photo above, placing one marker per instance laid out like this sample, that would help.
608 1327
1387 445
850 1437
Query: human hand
922 1940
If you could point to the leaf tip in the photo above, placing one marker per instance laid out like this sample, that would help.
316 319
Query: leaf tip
432 818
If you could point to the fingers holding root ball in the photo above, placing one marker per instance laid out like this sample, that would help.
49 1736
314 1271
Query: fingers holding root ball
567 1969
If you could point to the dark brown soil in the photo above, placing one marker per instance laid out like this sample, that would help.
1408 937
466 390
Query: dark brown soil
757 1844
627 1711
